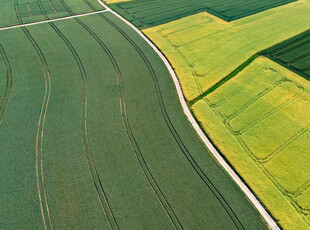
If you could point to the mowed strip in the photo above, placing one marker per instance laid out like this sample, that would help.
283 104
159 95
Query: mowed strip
30 10
204 49
70 189
148 13
259 122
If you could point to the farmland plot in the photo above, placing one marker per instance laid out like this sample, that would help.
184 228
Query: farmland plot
260 123
30 11
148 13
293 54
204 49
94 136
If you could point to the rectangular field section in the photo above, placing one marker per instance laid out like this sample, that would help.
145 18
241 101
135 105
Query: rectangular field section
147 13
259 121
293 54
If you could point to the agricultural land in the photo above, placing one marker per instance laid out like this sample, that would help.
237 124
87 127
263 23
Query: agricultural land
204 49
259 121
293 54
30 11
149 13
93 135
254 109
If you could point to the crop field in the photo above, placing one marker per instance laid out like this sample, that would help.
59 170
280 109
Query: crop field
293 54
204 49
259 121
30 11
92 135
148 13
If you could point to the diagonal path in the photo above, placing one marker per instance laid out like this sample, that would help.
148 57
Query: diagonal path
53 20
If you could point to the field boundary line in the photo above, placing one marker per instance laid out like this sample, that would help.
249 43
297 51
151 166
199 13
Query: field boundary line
273 225
53 20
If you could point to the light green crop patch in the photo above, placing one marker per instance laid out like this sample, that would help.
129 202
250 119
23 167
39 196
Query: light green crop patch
260 117
204 49
304 200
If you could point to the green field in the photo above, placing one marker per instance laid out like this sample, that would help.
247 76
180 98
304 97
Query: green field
30 10
259 121
148 13
204 49
94 137
293 54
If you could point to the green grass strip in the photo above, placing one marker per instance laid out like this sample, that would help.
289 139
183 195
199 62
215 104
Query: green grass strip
224 80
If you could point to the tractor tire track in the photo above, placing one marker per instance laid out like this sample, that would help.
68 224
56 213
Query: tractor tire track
151 180
86 143
9 83
41 122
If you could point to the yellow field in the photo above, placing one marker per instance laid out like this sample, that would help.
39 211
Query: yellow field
260 121
204 49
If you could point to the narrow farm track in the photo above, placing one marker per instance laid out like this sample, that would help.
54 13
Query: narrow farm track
41 122
8 89
86 143
151 180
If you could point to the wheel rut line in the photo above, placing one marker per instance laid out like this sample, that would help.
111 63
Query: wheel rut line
41 123
176 136
9 84
85 139
159 194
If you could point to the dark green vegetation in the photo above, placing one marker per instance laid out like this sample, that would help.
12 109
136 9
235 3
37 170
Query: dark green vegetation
294 54
30 11
148 13
94 136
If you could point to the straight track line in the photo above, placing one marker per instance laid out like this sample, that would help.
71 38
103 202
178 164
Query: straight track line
273 225
53 20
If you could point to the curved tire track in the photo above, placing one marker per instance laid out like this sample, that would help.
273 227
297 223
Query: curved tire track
41 122
9 84
151 180
86 143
